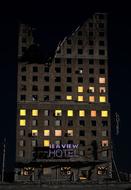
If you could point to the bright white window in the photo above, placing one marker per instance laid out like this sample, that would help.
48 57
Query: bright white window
58 112
91 89
102 80
102 89
70 132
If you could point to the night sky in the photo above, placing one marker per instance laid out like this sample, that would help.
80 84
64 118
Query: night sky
53 23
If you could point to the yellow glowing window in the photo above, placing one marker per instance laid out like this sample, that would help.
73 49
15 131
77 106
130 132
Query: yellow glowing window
46 143
102 89
80 99
69 97
91 89
22 122
82 113
22 112
102 80
70 132
46 132
34 112
105 143
58 133
34 133
104 113
58 112
102 99
91 99
93 113
70 113
80 88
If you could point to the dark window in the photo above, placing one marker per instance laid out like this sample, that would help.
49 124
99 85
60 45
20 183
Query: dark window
90 33
102 71
68 61
23 78
57 60
23 97
23 87
80 42
23 69
69 42
91 51
69 89
70 122
57 88
34 97
101 34
93 122
91 25
46 98
80 33
57 97
46 69
101 52
82 122
80 79
46 78
102 62
70 141
101 16
35 69
69 70
101 25
35 78
101 43
80 51
57 69
91 42
93 132
23 40
91 71
23 49
80 61
69 79
91 80
82 143
105 123
46 88
57 79
34 88
68 51
91 61
81 133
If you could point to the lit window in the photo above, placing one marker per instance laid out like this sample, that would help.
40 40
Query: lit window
102 99
80 98
34 133
58 112
22 112
70 132
34 112
91 89
46 132
69 97
104 113
102 89
91 99
70 113
22 122
102 80
82 113
33 143
46 143
93 113
80 88
58 133
104 143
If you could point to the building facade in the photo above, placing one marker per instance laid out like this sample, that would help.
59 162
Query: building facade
63 112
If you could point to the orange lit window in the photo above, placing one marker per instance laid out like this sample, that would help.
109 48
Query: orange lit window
58 133
102 89
105 143
93 113
91 99
102 80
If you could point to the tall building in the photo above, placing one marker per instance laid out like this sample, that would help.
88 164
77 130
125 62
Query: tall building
63 113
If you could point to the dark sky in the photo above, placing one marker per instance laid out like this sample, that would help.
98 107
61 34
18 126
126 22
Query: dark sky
53 22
